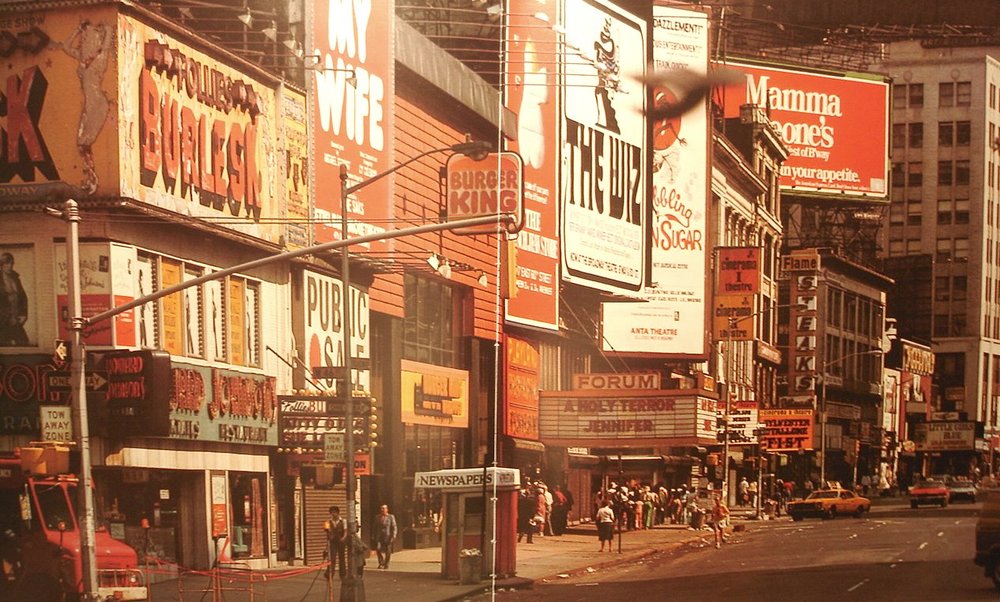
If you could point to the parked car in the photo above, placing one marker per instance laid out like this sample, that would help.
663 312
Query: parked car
960 488
988 535
828 503
929 492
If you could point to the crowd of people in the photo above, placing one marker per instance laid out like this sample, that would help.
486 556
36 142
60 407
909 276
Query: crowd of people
542 512
641 506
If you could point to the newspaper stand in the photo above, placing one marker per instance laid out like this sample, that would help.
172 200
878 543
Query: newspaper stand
464 508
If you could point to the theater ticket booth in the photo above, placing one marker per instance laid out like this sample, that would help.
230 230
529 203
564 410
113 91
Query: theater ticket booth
466 512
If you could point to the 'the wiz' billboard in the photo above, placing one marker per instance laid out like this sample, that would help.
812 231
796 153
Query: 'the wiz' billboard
603 187
836 128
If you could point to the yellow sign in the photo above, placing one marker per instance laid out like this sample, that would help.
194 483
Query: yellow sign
434 395
732 318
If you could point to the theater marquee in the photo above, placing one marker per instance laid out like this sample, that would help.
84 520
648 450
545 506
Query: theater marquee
628 418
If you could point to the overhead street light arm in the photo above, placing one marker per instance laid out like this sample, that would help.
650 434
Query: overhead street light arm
472 148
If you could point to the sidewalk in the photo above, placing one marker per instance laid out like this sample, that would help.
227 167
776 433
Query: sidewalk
415 574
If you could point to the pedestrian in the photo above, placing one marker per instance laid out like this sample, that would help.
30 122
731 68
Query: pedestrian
720 515
540 509
336 538
883 486
605 524
647 512
385 535
560 510
744 491
549 501
752 493
526 505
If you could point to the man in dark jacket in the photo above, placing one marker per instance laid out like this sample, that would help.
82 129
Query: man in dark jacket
385 534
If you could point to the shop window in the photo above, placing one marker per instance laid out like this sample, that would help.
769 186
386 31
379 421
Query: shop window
147 314
248 509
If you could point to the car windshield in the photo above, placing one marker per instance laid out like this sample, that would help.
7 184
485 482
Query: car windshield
818 495
930 484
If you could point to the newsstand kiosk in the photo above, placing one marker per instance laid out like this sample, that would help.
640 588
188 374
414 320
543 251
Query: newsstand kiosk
466 511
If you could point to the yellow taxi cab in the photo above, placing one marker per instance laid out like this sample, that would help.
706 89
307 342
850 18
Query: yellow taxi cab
828 503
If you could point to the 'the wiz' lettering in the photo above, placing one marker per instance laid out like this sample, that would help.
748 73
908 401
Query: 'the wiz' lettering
23 146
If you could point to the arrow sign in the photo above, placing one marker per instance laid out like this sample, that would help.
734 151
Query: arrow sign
59 380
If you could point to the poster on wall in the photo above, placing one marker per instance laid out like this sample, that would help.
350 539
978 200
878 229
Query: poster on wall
19 301
296 171
147 313
531 92
603 176
214 321
350 95
671 321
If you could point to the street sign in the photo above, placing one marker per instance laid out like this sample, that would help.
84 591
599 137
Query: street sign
59 380
60 353
334 448
337 372
57 423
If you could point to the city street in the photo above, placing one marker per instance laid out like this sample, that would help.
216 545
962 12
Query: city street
895 553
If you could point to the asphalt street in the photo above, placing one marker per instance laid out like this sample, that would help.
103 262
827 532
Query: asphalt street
895 553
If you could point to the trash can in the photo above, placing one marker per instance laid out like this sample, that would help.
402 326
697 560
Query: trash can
470 566
697 518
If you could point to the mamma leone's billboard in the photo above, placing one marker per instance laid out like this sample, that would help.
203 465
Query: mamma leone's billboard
836 128
672 320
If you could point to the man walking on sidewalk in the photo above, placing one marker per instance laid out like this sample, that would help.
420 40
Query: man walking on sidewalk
385 534
720 514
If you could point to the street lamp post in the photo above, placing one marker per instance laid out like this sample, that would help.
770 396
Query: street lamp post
822 407
79 322
352 588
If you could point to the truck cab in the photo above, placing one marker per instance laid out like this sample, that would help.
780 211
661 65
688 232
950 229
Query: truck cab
40 542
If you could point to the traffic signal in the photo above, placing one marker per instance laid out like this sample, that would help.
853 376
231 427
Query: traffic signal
372 422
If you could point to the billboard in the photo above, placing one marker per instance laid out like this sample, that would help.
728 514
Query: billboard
434 395
836 128
786 430
944 436
197 137
531 92
322 316
350 112
672 320
603 177
737 285
521 366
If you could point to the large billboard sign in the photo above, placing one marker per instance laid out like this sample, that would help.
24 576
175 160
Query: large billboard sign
672 319
350 94
836 128
531 91
322 319
603 176
521 367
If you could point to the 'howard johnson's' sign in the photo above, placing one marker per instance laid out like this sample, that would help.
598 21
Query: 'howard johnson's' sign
467 478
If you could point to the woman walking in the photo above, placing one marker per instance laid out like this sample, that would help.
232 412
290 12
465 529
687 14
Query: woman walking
605 524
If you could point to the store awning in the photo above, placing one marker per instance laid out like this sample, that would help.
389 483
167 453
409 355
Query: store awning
527 444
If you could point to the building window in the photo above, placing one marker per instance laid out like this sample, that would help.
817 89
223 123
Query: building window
961 249
898 174
993 96
914 173
945 173
942 290
961 211
898 135
962 172
958 325
913 246
896 214
914 214
944 212
946 133
963 133
896 248
916 135
430 322
960 288
963 94
943 250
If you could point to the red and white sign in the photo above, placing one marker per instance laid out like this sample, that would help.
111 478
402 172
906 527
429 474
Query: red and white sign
625 418
491 186
322 315
787 430
836 128
351 122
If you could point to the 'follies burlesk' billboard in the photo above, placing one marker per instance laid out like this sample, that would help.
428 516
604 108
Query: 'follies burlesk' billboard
349 52
672 321
603 182
836 128
531 91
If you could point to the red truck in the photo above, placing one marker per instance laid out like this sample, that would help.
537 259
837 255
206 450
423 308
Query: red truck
40 552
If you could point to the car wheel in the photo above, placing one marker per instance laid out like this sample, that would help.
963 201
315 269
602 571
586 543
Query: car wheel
831 513
859 512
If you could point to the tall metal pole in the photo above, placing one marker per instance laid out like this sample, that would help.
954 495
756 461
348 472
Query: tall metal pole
725 417
78 392
822 428
353 587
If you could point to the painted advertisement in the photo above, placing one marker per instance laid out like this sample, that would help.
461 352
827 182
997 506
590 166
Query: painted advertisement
198 137
603 176
521 374
106 281
296 169
531 91
836 128
213 404
671 322
434 395
625 418
57 68
349 47
323 314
